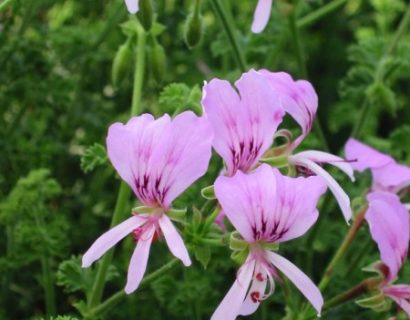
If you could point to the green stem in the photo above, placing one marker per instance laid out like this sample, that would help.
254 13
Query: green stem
49 289
124 191
5 4
342 249
352 293
120 295
390 49
229 28
297 43
211 219
319 13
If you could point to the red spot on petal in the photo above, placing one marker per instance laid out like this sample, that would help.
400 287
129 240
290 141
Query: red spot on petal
259 277
255 296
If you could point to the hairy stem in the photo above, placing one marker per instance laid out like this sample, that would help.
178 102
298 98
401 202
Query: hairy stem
120 295
319 13
340 253
229 28
124 191
48 285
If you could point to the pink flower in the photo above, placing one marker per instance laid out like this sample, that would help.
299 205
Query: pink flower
132 6
244 120
261 16
389 225
266 209
388 175
158 159
300 101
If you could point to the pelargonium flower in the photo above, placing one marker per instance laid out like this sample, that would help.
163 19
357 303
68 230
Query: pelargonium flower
158 159
387 174
132 6
389 225
261 16
266 209
244 120
300 101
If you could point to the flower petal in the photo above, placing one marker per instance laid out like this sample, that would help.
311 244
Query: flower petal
341 197
392 177
179 158
244 124
298 98
132 6
229 308
363 157
139 260
262 15
256 292
389 225
107 240
401 295
174 241
299 279
247 199
324 157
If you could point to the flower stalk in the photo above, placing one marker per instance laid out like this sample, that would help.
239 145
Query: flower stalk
319 13
124 191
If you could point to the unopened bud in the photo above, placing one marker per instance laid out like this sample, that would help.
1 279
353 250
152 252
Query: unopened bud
145 14
158 61
193 30
121 64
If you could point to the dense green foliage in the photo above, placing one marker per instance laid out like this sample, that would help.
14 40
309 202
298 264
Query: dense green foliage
57 99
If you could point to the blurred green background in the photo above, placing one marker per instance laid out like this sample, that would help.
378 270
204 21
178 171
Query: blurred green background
57 99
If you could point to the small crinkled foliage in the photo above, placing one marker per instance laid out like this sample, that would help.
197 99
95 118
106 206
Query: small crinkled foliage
93 156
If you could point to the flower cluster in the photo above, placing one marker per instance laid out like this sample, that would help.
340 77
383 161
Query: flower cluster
159 159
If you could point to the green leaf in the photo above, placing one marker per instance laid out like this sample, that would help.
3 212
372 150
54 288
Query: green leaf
203 255
94 156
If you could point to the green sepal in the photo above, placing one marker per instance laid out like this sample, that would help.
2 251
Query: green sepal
277 162
376 302
177 214
271 246
236 243
143 209
240 256
208 193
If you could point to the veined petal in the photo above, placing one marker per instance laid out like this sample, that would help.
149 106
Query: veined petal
392 177
229 308
324 157
139 260
298 98
299 279
363 157
341 196
132 6
174 241
247 200
256 292
389 225
107 240
262 15
244 124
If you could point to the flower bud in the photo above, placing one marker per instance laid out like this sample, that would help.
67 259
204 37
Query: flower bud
193 30
158 61
145 14
122 63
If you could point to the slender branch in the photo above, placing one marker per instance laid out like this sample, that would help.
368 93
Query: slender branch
211 219
124 191
229 28
319 13
5 4
120 295
342 249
